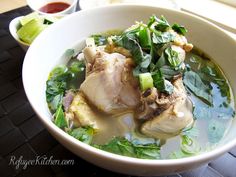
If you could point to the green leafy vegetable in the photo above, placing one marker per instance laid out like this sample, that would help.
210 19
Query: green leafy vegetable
59 81
83 134
179 29
142 59
197 87
59 118
169 72
162 38
69 53
172 57
161 84
162 24
122 146
211 74
56 86
150 151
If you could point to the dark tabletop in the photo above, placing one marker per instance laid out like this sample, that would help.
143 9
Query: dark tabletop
23 137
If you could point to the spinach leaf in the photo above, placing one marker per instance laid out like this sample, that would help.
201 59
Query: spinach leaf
59 118
122 146
59 81
152 20
56 86
161 84
169 72
161 38
179 29
151 151
69 53
119 146
169 64
194 83
172 57
211 74
162 24
83 134
142 59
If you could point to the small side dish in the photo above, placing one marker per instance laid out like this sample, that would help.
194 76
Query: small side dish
32 25
144 92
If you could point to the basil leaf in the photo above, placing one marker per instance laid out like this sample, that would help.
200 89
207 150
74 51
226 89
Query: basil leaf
59 118
133 46
162 24
150 151
172 57
161 84
179 29
211 74
122 146
83 134
152 20
161 38
69 53
59 81
169 72
194 83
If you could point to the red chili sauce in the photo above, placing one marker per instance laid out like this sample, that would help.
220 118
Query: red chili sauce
54 7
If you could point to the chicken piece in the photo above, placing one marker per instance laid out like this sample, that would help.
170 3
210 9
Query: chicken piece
171 114
110 84
171 121
81 113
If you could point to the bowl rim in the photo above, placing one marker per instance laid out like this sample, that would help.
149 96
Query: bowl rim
103 154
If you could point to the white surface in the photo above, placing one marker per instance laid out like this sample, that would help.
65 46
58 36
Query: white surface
46 50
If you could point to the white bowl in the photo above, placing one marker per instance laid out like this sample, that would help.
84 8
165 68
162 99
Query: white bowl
43 55
13 26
